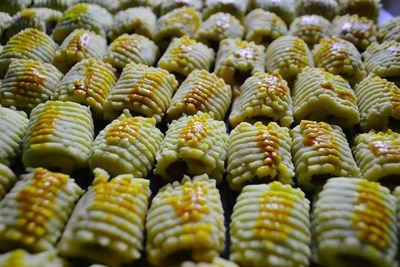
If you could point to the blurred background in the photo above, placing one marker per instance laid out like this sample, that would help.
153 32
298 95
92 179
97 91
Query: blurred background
393 6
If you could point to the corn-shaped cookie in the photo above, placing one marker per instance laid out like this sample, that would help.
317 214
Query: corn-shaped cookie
144 90
236 8
131 48
13 125
378 156
364 8
378 102
326 8
217 27
354 224
262 27
321 96
270 227
5 23
283 8
61 5
27 44
382 60
7 179
168 5
139 20
216 262
339 57
34 213
29 83
237 60
13 6
389 30
59 136
88 83
320 151
358 30
263 97
176 23
311 28
80 44
127 145
201 91
193 145
109 218
288 55
185 222
21 258
91 17
43 19
185 55
259 153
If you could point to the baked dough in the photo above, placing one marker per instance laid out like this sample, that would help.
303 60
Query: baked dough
43 19
139 20
326 8
143 90
89 83
176 23
108 222
236 8
378 102
59 136
193 145
311 28
91 17
217 27
321 96
340 57
13 125
80 44
383 60
131 48
259 153
21 258
358 30
201 91
29 83
378 156
354 224
263 97
283 8
237 60
27 44
270 227
262 27
320 151
185 55
288 55
7 180
364 8
389 30
185 222
34 213
127 145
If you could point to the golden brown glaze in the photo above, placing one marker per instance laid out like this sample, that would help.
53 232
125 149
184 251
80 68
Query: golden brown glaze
372 217
36 201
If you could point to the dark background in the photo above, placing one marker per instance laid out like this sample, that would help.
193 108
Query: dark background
393 6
